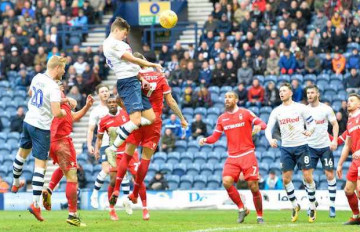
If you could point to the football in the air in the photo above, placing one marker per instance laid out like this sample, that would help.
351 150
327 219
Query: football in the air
168 19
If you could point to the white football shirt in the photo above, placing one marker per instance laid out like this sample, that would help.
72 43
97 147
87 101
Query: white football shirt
96 114
322 114
113 51
291 119
44 91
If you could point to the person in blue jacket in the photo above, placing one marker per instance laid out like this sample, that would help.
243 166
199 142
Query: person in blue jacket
273 182
287 63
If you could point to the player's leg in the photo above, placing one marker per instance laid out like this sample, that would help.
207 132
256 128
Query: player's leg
21 156
350 187
100 178
257 199
112 211
327 161
46 194
71 195
125 187
304 162
287 163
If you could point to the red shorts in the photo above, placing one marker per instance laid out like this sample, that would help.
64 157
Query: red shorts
133 165
246 164
354 171
146 136
62 152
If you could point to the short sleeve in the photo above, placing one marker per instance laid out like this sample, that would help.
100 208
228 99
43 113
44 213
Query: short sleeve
93 118
330 115
101 127
55 94
120 48
165 86
251 116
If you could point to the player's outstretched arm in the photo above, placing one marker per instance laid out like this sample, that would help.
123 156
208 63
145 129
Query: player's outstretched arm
98 142
79 114
143 63
269 128
335 130
175 107
344 154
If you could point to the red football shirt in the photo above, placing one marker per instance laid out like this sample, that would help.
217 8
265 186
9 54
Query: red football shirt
113 121
353 131
62 127
158 87
237 127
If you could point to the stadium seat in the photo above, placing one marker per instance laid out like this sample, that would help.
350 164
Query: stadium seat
214 89
179 169
188 110
186 182
193 169
153 168
14 143
213 111
336 105
173 158
298 77
14 135
194 144
310 77
268 157
276 168
207 169
173 182
200 158
88 168
213 158
263 168
270 78
159 157
199 182
261 79
5 148
265 109
186 158
214 97
97 168
283 78
3 170
214 181
166 168
207 148
147 179
225 89
254 109
201 110
212 117
336 77
180 146
323 185
218 169
323 77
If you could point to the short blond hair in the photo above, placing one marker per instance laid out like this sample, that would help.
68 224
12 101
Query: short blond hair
55 61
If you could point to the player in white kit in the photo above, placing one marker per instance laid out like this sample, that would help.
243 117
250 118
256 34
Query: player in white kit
292 117
96 114
320 146
43 105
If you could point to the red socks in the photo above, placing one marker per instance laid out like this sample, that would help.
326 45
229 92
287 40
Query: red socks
110 191
142 193
55 178
235 196
257 198
140 175
121 170
353 202
71 195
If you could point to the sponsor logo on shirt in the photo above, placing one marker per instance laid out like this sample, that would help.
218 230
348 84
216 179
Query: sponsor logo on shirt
109 122
320 121
232 126
240 116
289 120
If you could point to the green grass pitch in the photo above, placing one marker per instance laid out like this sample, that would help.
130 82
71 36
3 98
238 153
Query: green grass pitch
182 220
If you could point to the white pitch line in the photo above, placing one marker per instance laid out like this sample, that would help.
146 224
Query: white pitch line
253 227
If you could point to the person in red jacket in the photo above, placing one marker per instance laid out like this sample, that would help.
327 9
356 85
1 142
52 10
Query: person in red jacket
255 94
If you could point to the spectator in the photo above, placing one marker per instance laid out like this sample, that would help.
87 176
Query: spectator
239 14
75 94
98 9
165 55
40 57
336 19
27 58
338 41
320 21
224 43
271 97
211 24
168 141
23 81
229 12
354 60
174 124
255 94
217 12
191 74
198 127
354 32
297 91
218 75
148 53
205 74
2 69
273 182
268 16
80 65
188 97
338 63
230 74
272 67
13 61
4 187
178 50
203 98
341 121
352 83
81 177
242 93
324 43
224 25
158 182
312 63
259 65
89 12
287 63
326 65
244 74
16 122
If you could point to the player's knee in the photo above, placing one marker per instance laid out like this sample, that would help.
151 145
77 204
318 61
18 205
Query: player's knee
253 186
227 182
136 121
308 177
286 180
329 175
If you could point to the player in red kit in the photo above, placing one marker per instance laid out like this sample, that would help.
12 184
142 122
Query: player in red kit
147 136
109 123
352 143
239 125
62 152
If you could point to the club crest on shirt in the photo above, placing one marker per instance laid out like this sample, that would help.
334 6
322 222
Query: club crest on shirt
240 116
123 118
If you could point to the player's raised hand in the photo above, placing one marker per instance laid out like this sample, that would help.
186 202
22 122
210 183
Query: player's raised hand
202 141
339 171
333 145
256 129
184 123
273 143
158 67
89 100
